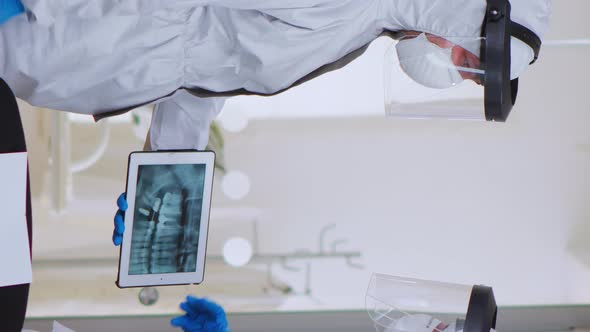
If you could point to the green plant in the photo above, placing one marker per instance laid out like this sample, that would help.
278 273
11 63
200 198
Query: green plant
216 144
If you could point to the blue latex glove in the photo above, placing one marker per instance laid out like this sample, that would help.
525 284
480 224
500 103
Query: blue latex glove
10 8
202 315
120 220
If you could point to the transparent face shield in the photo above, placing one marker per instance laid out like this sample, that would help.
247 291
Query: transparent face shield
398 304
428 76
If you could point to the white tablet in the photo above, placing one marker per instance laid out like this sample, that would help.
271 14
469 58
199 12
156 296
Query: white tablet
167 219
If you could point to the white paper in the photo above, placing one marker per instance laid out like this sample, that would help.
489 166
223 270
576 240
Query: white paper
57 327
15 259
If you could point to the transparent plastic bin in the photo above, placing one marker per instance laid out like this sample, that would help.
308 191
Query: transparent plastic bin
398 304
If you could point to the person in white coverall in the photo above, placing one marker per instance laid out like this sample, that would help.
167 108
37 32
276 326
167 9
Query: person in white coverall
104 57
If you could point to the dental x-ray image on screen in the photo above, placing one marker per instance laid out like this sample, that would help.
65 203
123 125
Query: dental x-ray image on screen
167 218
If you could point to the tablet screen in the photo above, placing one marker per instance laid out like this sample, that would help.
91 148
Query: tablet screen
167 218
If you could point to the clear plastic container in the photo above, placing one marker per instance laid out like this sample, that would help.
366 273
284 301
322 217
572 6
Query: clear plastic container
398 304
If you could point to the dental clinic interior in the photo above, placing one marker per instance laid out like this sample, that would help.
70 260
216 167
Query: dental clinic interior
316 193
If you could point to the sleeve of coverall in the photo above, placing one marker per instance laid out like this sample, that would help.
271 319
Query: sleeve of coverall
45 11
183 121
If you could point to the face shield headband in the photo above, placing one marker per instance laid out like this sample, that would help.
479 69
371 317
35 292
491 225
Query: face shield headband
498 28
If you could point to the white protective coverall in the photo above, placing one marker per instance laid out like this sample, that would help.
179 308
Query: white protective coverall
99 56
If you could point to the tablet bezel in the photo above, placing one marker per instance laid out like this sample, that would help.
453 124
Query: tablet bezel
136 159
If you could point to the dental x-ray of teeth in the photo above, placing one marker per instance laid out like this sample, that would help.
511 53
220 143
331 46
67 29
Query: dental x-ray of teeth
167 218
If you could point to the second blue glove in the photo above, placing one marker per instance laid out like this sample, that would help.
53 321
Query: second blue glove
120 220
202 315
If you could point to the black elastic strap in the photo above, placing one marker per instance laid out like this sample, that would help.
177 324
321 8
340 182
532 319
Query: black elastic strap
514 90
527 36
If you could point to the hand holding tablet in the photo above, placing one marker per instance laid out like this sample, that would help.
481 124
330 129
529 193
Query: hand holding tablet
169 198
